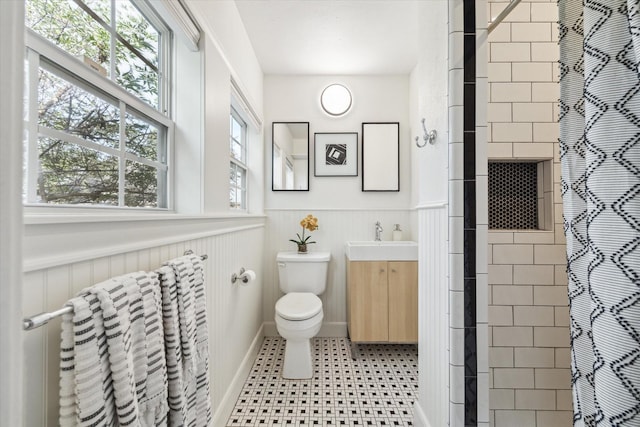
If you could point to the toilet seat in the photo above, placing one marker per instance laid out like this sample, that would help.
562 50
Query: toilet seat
298 306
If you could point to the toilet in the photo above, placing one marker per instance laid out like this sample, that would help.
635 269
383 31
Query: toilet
299 313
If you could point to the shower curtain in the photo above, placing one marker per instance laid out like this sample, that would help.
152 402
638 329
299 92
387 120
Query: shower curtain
600 156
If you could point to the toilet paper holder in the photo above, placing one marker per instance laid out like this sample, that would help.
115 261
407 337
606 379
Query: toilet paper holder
240 276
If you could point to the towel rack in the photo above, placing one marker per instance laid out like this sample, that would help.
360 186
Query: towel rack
38 320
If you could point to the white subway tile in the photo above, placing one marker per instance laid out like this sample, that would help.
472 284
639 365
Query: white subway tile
501 357
498 236
564 400
531 357
512 336
545 237
499 71
550 295
561 316
544 12
521 13
502 399
499 150
501 33
500 315
533 316
510 52
545 132
531 32
499 112
512 132
536 399
515 418
510 92
554 418
545 92
561 274
559 379
545 52
513 254
533 112
544 336
563 358
550 254
512 295
513 378
533 274
528 150
500 274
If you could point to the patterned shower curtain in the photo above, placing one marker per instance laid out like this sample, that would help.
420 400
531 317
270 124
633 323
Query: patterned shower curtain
600 155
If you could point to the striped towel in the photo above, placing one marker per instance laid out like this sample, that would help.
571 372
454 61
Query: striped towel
113 369
186 341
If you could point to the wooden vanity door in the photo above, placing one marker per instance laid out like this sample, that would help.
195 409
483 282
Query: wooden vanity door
368 304
403 301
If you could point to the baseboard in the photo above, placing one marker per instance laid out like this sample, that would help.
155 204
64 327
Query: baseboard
328 329
419 418
223 412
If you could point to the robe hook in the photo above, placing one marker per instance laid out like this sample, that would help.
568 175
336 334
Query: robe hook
429 136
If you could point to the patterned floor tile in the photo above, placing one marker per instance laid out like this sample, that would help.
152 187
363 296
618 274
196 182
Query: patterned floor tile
376 389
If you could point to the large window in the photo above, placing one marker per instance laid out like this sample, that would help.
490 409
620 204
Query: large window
96 117
238 171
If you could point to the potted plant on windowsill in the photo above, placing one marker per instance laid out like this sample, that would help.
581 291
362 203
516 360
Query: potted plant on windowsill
308 223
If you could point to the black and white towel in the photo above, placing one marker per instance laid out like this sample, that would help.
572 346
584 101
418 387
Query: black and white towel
113 367
186 341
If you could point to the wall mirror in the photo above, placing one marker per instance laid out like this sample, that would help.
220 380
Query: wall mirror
381 156
290 156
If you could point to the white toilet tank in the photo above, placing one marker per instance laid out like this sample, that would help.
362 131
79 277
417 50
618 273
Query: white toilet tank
303 272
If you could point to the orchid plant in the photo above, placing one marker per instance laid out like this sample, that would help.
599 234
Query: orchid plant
308 223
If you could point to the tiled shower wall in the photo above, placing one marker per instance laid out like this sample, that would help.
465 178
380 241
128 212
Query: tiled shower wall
528 313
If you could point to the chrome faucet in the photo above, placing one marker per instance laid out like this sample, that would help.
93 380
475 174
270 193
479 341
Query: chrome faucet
378 231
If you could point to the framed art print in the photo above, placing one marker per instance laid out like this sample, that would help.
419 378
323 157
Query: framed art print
336 154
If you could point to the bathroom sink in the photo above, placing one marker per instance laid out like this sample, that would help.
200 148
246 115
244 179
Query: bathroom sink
398 250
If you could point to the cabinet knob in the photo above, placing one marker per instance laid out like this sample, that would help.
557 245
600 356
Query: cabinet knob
393 270
382 270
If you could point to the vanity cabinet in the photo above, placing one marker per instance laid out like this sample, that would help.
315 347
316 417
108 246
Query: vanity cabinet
382 301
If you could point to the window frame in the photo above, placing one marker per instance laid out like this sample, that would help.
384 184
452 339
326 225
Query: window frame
40 52
236 164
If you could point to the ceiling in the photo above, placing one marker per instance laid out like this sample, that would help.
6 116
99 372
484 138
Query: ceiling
332 36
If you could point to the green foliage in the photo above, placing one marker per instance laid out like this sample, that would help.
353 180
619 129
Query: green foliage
73 173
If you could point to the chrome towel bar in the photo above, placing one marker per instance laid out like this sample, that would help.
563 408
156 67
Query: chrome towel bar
38 320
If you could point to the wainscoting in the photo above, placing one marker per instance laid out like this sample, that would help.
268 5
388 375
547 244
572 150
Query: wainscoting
235 312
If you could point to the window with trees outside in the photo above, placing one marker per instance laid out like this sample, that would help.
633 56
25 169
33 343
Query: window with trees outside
96 109
238 171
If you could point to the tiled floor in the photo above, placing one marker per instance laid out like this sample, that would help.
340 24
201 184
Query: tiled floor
376 389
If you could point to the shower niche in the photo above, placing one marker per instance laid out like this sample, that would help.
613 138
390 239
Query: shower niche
521 194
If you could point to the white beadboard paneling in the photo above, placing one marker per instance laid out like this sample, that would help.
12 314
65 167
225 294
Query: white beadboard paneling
433 315
235 313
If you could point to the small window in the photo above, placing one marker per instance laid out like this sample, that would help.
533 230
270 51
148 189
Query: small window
238 171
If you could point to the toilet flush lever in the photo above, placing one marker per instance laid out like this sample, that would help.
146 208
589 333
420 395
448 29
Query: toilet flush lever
282 264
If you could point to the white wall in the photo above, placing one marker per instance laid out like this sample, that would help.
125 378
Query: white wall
343 210
11 75
375 99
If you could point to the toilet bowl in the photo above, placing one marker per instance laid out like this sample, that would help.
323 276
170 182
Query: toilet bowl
299 312
298 319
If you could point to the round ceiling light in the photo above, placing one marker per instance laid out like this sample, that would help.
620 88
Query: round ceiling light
336 99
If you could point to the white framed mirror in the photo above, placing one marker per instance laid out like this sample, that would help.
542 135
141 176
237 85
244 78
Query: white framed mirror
381 156
290 156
